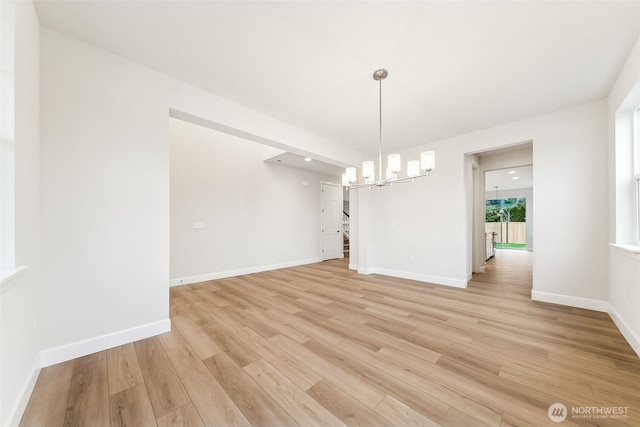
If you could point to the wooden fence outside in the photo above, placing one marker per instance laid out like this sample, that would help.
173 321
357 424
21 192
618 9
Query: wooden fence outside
512 232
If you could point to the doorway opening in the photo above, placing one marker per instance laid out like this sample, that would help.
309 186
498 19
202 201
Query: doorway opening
331 220
501 214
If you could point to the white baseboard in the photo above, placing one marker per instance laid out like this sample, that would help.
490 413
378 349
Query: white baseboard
571 301
15 413
628 333
438 280
362 270
92 345
240 271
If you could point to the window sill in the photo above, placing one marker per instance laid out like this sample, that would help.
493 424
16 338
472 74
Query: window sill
8 275
634 249
629 251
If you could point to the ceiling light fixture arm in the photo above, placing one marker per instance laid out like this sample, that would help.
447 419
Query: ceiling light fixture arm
387 182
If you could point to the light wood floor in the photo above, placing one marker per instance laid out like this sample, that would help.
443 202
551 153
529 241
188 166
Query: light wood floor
322 345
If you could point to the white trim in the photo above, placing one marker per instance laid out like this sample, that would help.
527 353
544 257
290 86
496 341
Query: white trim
436 280
7 275
16 413
240 271
636 179
365 271
630 251
627 332
353 266
571 301
467 278
636 191
92 345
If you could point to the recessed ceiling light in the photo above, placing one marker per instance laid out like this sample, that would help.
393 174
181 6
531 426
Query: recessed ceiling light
307 159
511 172
514 177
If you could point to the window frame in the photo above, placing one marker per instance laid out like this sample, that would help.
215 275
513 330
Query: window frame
636 176
637 210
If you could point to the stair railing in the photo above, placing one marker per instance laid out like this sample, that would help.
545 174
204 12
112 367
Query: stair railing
345 223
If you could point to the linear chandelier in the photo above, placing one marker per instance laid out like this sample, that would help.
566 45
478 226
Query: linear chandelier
415 168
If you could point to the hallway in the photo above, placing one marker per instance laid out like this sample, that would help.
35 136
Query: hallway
508 269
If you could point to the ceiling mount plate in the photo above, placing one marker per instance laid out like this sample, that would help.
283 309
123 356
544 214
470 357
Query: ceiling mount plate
380 74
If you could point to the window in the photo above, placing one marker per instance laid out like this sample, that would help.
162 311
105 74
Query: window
637 210
627 171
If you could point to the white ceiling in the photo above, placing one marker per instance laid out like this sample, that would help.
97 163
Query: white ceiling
454 67
313 165
508 179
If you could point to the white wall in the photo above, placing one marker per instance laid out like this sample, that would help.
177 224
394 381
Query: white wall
568 171
19 296
411 229
624 276
427 220
256 215
105 200
624 294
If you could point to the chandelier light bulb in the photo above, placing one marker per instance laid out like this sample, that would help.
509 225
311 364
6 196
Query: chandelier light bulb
394 162
427 161
368 172
413 168
351 175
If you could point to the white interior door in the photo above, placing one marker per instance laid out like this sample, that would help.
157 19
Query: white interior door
331 221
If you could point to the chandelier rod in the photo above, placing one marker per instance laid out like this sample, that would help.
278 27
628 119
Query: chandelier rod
381 77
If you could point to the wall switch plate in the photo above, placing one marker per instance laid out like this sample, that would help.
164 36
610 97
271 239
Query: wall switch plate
199 225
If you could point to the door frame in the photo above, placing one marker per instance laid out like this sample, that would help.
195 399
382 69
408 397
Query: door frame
338 216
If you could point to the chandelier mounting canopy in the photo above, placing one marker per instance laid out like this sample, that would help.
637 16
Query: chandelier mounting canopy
380 74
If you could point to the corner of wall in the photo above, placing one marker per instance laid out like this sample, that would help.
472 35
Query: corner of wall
239 272
627 332
92 345
15 414
571 301
426 278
